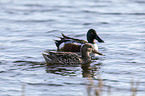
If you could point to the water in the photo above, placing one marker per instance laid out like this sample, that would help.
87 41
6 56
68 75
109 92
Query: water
27 28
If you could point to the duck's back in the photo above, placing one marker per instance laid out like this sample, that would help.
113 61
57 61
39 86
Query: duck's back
71 47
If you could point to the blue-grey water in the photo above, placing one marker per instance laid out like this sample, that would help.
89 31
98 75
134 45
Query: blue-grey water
28 27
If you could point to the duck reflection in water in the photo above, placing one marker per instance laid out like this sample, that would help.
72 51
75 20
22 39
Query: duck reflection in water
63 70
88 70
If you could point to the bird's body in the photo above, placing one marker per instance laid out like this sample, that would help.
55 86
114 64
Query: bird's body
70 43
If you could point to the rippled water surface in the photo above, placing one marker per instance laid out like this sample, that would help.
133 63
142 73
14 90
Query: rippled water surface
28 27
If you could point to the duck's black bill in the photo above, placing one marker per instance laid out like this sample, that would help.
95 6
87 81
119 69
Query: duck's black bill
99 39
95 51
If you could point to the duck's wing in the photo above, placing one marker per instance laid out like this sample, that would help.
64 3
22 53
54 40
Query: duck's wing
70 58
73 39
68 40
63 58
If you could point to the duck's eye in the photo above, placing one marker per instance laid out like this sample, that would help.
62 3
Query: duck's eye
89 49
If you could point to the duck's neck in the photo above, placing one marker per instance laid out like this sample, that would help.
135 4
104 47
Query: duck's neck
86 57
90 40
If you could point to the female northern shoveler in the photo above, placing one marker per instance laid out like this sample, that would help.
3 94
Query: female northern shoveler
69 58
70 43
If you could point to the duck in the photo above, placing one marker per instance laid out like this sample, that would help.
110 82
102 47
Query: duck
74 45
70 58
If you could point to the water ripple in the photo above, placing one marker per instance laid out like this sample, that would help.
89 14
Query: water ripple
28 28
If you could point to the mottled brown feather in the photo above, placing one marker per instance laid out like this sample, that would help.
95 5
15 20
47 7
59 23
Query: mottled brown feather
71 47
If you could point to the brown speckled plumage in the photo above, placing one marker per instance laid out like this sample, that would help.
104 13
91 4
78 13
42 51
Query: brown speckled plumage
62 58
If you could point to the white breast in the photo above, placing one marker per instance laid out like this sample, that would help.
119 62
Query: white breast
95 46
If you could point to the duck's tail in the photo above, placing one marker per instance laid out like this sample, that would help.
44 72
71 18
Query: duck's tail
59 42
46 57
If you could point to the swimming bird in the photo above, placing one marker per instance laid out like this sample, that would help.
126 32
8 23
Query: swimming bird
74 45
70 58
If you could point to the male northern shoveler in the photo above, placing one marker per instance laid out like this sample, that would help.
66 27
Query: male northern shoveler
70 43
69 58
